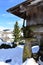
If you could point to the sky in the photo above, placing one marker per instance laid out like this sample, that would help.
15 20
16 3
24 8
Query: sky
7 20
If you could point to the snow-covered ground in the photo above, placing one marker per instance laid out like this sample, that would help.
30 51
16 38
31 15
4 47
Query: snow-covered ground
3 63
14 55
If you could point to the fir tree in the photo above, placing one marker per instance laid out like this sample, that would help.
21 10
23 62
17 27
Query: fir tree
16 32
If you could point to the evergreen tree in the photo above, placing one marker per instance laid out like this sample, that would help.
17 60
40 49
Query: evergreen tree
16 32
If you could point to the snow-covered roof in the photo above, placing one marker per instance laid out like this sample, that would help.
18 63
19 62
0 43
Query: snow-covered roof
23 7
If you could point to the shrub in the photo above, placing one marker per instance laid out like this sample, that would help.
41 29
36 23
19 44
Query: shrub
14 45
21 43
5 46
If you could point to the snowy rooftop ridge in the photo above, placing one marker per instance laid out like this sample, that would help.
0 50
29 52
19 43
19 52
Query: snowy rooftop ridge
34 2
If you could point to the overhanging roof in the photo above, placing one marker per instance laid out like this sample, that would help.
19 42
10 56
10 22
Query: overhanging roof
27 6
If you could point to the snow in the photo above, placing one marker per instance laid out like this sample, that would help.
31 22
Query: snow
35 49
3 63
40 62
2 42
30 61
36 1
15 54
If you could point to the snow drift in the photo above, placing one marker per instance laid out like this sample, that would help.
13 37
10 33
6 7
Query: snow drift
30 61
3 63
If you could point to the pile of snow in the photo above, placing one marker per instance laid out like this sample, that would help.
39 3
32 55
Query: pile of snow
30 61
35 49
3 63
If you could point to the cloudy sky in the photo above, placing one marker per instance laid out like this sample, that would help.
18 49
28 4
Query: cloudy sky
8 20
